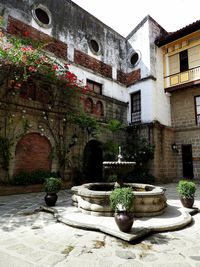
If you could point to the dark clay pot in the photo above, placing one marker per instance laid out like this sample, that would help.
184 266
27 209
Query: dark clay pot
51 199
187 202
124 221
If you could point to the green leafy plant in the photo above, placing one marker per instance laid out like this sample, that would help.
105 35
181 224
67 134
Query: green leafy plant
112 178
141 151
186 189
115 126
52 185
110 150
111 146
121 199
86 122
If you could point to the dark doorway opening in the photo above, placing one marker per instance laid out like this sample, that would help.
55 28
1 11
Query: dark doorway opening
93 162
187 161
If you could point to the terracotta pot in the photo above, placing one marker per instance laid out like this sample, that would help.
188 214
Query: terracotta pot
187 202
124 221
50 199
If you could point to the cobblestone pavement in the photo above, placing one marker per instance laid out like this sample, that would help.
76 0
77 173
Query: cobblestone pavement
32 238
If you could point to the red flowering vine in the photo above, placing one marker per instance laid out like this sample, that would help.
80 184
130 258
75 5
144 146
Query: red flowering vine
28 61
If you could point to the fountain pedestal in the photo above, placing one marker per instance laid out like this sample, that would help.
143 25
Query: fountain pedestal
119 168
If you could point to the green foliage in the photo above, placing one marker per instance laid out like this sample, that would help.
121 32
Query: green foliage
186 188
141 151
122 199
112 178
110 150
36 177
52 185
5 152
115 126
86 122
25 66
110 147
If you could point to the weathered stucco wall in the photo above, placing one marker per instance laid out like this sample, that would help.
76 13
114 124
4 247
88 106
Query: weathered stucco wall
155 105
74 26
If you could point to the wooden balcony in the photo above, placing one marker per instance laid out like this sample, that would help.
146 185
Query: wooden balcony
182 79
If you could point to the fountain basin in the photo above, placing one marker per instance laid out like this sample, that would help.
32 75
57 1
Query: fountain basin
93 198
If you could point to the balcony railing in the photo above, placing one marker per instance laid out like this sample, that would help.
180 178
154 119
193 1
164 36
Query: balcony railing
182 77
136 117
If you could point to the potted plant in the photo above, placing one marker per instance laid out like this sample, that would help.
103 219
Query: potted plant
51 186
186 190
121 201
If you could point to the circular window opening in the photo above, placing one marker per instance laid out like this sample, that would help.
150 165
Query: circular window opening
95 46
42 16
134 59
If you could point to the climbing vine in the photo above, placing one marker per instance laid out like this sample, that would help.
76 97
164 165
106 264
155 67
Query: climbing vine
5 153
29 73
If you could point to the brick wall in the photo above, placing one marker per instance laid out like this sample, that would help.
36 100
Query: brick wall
18 28
164 162
128 78
163 165
186 130
32 153
89 62
183 108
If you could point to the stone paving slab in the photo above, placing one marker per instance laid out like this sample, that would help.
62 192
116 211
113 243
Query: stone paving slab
29 238
175 217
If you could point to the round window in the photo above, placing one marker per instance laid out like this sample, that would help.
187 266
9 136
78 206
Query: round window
134 59
95 46
42 16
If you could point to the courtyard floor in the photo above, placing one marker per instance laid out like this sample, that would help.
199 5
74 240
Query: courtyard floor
29 237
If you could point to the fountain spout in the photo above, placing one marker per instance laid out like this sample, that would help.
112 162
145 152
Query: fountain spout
119 168
120 157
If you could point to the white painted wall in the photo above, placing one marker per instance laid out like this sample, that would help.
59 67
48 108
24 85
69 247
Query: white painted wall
155 104
140 42
146 100
110 88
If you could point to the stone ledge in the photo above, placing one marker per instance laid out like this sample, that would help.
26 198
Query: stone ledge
175 217
6 190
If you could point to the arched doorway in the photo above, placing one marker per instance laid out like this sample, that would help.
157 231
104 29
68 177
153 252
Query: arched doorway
92 162
32 153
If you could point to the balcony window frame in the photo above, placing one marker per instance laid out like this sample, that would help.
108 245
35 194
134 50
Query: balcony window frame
137 107
183 60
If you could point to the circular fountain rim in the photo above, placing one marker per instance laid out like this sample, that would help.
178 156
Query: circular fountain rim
85 191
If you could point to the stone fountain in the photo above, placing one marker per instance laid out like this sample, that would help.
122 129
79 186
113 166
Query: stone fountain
93 198
119 168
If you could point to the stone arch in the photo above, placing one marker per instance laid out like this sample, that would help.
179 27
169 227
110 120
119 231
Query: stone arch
32 153
88 105
93 161
99 110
